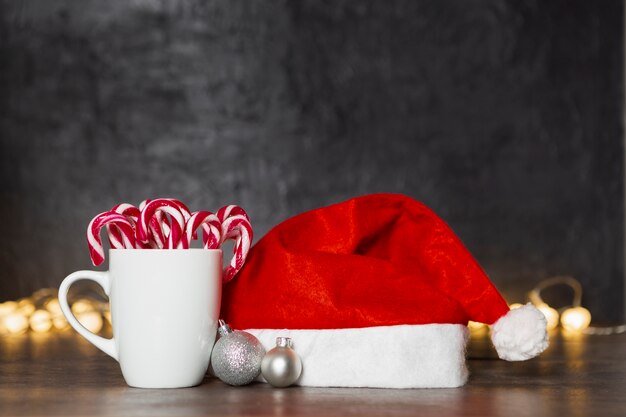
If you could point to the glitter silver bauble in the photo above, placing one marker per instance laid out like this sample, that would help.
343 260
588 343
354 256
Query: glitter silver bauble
281 366
236 357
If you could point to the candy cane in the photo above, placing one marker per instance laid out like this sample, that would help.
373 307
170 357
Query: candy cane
232 210
186 213
94 242
132 214
162 220
239 229
235 225
211 226
116 236
159 227
182 207
150 210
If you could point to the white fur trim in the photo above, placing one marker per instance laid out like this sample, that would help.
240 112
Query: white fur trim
520 334
407 356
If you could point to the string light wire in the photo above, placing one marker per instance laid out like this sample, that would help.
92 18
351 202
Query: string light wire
576 311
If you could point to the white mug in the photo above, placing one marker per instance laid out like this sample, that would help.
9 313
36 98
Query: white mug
164 310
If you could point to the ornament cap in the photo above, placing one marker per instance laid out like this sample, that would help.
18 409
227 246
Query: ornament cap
281 366
223 328
283 342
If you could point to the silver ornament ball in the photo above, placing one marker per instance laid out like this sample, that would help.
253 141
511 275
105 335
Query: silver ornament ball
281 366
236 357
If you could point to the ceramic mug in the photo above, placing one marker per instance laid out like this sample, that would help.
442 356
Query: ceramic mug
164 310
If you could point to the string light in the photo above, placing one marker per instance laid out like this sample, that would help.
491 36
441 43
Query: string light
26 306
53 306
606 330
476 326
41 313
15 323
40 321
56 315
91 320
82 306
552 316
575 318
60 323
7 307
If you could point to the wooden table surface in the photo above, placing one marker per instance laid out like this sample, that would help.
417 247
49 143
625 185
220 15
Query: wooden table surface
61 374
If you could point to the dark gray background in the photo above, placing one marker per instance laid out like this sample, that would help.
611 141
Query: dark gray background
505 117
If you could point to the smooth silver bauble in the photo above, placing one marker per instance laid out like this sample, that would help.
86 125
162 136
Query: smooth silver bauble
281 366
236 358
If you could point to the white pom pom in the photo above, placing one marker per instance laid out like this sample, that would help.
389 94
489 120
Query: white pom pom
520 334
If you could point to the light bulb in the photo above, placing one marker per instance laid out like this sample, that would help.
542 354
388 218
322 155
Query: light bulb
552 316
575 319
82 306
107 315
16 323
40 321
7 307
475 325
91 320
26 306
23 302
59 322
515 305
53 306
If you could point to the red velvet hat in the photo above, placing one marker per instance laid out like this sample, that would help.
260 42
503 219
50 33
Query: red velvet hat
380 260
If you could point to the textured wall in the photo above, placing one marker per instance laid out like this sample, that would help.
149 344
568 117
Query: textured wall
505 117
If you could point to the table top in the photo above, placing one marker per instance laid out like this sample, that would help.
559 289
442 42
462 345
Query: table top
62 374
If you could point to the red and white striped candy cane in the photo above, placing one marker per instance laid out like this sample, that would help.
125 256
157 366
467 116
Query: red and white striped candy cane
235 225
150 211
182 207
211 226
186 213
159 218
232 210
142 205
132 214
162 220
159 227
94 242
128 210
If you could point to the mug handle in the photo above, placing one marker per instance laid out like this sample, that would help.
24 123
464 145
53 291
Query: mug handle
102 278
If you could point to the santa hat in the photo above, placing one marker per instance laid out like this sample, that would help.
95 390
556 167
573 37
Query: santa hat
375 292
